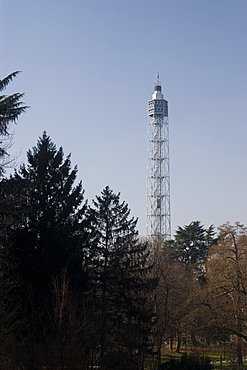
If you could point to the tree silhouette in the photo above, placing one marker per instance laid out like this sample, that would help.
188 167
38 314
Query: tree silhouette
50 232
119 271
11 107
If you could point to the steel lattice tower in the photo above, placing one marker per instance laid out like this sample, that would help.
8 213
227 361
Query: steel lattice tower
158 171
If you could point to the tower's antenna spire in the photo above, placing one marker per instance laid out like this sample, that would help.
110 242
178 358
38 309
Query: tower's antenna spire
158 178
158 79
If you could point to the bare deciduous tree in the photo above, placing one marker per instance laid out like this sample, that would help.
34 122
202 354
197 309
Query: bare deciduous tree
222 303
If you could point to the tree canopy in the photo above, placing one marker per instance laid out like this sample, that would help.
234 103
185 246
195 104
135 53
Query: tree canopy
192 242
49 233
80 288
119 265
11 108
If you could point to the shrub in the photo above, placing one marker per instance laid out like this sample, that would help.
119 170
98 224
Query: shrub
118 360
188 362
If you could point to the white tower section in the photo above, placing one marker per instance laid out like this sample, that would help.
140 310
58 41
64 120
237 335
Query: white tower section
158 172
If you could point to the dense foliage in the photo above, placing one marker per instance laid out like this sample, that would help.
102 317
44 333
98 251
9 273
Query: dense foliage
11 107
191 243
188 363
79 288
77 277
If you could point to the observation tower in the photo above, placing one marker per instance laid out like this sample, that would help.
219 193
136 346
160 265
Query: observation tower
158 170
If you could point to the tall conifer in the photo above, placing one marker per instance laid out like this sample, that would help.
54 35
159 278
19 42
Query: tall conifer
119 271
49 236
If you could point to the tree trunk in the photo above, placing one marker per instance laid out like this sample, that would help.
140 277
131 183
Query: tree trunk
171 344
158 356
103 325
239 353
194 340
178 342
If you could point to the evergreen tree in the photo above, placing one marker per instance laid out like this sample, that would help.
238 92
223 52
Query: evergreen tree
45 222
119 272
11 107
49 233
191 243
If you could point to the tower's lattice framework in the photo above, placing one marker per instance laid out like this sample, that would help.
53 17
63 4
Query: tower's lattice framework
158 172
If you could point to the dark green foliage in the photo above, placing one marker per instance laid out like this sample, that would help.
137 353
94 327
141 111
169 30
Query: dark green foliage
188 362
50 231
11 107
119 274
82 295
191 243
119 360
44 233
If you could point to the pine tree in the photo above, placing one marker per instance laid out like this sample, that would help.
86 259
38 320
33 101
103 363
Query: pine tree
11 107
45 234
119 273
50 231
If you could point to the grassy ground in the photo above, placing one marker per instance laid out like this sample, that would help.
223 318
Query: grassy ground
229 366
222 355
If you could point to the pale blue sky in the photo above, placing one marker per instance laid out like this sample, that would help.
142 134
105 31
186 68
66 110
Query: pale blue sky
88 72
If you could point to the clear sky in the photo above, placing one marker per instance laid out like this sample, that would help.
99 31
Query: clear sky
88 71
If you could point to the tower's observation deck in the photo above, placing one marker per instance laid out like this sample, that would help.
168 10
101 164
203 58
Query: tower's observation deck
158 179
158 106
